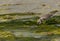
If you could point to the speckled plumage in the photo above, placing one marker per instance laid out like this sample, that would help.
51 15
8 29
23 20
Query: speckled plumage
46 16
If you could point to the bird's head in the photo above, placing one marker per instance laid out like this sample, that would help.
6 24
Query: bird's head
54 11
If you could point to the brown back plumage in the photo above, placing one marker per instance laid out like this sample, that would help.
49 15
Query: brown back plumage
46 16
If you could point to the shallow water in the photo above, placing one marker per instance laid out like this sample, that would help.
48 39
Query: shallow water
16 6
23 35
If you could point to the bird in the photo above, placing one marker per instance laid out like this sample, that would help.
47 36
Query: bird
46 16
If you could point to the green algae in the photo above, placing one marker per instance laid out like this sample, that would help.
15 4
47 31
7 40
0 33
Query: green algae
30 24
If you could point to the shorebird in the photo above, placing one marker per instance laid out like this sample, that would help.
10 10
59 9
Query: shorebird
46 16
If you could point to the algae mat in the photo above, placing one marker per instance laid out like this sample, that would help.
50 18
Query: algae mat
16 27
